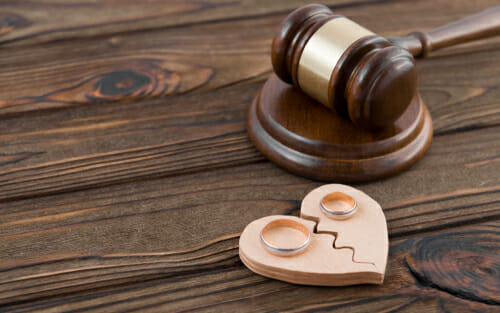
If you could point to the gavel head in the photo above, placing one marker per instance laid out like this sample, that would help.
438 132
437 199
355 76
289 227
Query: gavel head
344 66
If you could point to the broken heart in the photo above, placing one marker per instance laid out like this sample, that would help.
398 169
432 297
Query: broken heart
340 239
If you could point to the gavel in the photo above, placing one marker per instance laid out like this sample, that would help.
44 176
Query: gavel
367 77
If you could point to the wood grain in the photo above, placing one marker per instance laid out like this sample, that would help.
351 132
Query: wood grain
453 106
36 21
219 282
79 148
454 262
435 205
73 231
123 155
119 78
68 72
106 70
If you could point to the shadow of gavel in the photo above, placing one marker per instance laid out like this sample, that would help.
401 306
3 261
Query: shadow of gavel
369 78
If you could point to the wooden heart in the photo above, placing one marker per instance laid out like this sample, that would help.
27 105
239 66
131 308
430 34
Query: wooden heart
340 252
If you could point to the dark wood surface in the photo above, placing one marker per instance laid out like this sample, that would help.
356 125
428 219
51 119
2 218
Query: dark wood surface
126 173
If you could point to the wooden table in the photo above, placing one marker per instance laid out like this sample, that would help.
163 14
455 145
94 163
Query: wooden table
126 173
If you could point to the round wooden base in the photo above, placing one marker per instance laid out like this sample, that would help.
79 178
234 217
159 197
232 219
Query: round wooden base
306 138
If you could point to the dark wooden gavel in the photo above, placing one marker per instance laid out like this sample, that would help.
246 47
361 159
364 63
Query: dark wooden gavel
370 78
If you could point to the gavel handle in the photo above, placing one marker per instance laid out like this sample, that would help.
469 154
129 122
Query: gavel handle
481 25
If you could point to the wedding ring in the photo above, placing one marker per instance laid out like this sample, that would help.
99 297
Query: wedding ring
338 205
285 237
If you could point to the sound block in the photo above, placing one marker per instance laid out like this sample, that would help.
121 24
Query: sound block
306 138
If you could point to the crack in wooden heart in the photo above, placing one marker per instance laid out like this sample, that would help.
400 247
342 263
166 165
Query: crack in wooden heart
341 252
365 232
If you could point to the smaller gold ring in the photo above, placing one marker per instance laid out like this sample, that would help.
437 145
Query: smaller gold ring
281 251
339 214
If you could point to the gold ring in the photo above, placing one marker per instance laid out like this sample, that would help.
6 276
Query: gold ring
285 225
334 205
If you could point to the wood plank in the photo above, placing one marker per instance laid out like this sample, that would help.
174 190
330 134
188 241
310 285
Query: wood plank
133 66
438 272
118 139
140 231
469 179
102 145
91 146
170 242
35 21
